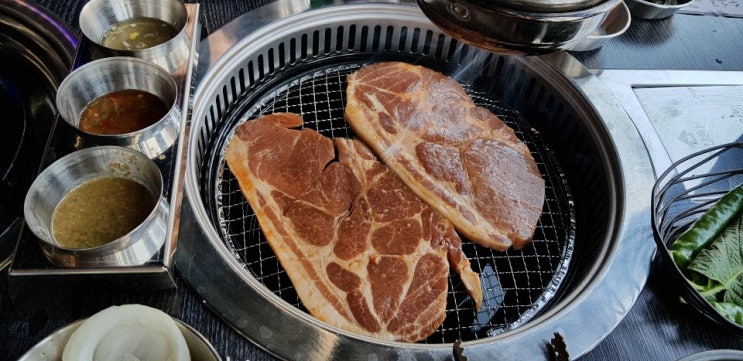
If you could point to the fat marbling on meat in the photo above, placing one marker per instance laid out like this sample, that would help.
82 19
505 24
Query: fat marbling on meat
458 157
363 252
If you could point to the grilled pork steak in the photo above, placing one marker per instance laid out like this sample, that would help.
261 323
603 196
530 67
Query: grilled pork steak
363 252
458 157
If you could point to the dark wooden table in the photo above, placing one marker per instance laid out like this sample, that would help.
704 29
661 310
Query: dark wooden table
657 328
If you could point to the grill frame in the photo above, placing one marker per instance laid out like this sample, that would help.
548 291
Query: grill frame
605 125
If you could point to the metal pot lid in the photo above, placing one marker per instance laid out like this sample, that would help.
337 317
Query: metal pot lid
519 28
538 5
36 53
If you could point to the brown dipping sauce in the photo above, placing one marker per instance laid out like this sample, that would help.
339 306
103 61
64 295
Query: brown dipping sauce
138 33
101 210
122 111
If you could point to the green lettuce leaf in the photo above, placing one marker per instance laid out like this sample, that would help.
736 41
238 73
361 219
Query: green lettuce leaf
721 265
731 311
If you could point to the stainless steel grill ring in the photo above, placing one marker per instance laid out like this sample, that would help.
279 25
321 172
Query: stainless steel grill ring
579 278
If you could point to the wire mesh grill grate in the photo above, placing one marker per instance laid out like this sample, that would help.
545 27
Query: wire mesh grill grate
517 285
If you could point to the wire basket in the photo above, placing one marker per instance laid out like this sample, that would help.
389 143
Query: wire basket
687 189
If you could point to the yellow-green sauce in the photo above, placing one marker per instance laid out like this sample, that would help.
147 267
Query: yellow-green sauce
138 33
99 211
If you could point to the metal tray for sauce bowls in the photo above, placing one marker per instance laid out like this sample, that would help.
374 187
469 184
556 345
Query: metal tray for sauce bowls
30 263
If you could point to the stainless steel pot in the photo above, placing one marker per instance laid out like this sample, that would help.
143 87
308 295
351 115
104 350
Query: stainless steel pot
518 27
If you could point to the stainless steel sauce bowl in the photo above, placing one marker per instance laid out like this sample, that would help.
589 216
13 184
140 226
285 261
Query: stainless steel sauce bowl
106 75
74 169
97 16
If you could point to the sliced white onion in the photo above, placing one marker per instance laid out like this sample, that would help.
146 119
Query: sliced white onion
127 333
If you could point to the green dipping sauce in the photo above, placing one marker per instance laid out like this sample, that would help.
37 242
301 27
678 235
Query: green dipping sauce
99 211
138 33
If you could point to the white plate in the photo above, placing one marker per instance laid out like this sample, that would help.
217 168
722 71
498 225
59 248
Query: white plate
50 348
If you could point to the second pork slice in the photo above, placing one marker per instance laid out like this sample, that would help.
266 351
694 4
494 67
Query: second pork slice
458 157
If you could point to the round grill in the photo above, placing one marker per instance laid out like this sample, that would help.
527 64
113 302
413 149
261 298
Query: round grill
516 284
299 64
